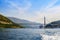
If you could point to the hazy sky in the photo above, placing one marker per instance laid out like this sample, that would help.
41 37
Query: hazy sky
33 10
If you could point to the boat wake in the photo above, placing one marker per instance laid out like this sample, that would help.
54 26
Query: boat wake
55 36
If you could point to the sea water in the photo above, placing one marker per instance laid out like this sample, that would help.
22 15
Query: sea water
30 34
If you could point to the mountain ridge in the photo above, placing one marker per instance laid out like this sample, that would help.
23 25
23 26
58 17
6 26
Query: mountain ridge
7 23
26 23
55 24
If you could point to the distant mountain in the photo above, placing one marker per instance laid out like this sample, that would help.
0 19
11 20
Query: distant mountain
55 24
7 23
26 23
17 20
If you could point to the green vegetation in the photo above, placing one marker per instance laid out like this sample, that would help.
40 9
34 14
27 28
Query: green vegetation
6 23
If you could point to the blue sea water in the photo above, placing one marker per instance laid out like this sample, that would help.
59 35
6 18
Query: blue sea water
30 34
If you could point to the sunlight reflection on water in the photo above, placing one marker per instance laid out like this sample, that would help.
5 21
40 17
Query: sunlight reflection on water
30 34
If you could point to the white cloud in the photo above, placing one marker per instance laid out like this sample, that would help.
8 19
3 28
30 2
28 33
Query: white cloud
50 4
17 10
51 14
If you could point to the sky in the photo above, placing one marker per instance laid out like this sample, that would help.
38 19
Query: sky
32 10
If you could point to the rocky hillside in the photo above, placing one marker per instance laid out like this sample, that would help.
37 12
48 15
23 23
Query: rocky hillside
55 24
25 23
6 23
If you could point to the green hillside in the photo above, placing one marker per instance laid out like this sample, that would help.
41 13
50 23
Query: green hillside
6 23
